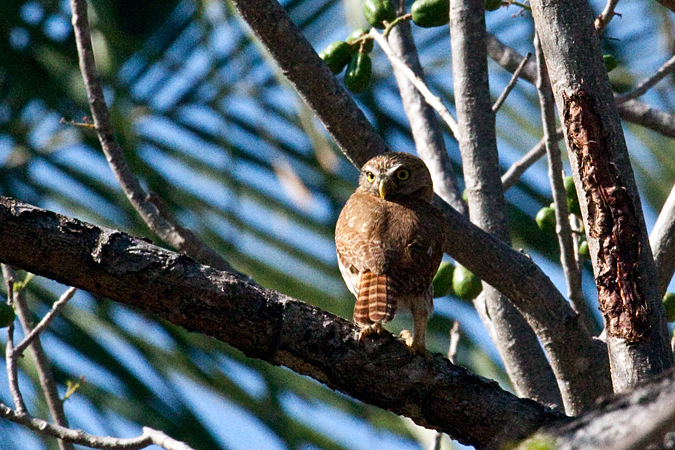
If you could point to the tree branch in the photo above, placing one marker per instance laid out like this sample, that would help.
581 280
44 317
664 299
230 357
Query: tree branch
639 417
177 237
149 436
568 260
521 353
265 324
634 317
425 128
662 241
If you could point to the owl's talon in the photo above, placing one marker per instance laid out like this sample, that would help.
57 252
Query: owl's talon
417 347
375 328
406 337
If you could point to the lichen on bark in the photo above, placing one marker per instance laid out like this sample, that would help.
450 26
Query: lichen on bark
611 220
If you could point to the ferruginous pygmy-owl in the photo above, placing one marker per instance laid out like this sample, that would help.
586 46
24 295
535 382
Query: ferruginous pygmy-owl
389 240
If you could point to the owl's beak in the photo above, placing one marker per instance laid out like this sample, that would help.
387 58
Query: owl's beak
382 189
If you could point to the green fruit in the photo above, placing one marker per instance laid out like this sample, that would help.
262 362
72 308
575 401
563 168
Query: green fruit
379 11
669 305
358 72
443 279
583 250
336 56
367 43
6 315
492 5
610 62
430 13
546 220
466 285
572 199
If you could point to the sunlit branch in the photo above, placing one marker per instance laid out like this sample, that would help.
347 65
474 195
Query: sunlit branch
432 99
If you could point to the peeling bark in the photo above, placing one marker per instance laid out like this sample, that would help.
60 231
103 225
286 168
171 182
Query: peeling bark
611 220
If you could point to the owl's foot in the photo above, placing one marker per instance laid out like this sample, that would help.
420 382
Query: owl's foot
375 328
417 346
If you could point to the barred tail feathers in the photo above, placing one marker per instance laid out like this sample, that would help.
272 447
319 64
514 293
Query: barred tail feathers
376 302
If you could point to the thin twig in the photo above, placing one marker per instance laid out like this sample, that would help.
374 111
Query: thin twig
46 320
605 16
648 83
10 356
42 366
149 436
630 111
555 174
513 174
433 100
512 83
178 237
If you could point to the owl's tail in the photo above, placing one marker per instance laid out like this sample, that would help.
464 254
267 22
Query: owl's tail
376 302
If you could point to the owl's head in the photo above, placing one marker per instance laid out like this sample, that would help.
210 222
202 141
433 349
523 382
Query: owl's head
396 175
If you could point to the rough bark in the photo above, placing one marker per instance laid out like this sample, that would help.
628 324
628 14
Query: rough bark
628 421
267 325
620 252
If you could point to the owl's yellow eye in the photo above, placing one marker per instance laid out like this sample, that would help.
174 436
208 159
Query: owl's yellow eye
370 176
403 174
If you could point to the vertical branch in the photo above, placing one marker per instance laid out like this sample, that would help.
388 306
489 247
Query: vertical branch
423 123
12 372
555 171
663 244
518 345
45 375
620 252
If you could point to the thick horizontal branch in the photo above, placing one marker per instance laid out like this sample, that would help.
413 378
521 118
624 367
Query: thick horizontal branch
267 325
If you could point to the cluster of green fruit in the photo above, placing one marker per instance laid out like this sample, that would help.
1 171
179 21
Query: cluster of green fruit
457 281
546 216
353 53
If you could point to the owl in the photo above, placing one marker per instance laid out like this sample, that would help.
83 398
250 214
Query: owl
389 241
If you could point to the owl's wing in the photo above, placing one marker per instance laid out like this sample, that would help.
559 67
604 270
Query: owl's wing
363 259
